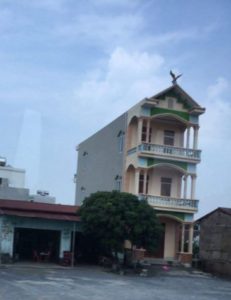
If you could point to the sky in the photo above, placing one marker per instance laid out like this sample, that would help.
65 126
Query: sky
69 67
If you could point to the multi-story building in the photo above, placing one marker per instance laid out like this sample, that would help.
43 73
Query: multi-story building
151 151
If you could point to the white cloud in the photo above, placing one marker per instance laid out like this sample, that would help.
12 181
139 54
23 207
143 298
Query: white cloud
216 121
214 179
97 29
129 77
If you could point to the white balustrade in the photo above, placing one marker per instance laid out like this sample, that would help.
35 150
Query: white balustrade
168 202
170 150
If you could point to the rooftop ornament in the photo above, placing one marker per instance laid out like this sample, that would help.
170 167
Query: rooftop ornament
174 77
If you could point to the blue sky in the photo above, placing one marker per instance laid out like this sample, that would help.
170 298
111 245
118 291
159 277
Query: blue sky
67 68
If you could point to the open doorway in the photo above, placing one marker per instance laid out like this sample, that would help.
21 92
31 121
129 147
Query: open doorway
36 245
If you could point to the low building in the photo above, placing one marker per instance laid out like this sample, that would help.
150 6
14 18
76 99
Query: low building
12 182
28 229
215 241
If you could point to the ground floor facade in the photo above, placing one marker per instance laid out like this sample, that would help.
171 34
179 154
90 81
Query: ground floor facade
34 238
177 237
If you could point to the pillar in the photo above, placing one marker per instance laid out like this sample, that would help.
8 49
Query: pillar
185 186
193 186
190 245
182 237
139 133
195 137
148 130
137 179
188 138
145 180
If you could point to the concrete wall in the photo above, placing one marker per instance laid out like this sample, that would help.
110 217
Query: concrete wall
11 193
8 223
100 161
215 243
16 177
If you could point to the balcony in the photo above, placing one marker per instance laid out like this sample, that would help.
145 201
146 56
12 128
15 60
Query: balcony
174 204
169 151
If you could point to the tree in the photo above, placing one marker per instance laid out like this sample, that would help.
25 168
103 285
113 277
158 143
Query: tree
110 218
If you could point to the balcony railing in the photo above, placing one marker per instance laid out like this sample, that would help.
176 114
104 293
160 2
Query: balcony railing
169 202
170 150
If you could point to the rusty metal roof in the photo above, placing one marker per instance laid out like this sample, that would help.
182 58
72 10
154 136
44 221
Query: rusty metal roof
39 210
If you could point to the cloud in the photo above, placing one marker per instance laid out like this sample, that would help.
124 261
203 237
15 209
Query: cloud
129 77
215 136
216 121
93 28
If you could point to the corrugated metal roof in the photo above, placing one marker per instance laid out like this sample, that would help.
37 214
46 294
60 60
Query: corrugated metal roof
39 210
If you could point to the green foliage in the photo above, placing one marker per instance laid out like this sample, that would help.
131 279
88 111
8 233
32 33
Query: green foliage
110 218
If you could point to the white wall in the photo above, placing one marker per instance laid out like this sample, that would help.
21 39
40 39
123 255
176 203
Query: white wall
16 177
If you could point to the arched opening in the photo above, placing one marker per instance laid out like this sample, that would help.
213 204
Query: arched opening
130 180
165 180
168 130
132 133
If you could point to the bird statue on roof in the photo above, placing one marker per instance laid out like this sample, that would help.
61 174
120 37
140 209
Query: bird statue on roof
174 77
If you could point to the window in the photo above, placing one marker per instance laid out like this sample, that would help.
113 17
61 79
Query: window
120 137
169 137
144 132
166 186
142 189
118 181
170 103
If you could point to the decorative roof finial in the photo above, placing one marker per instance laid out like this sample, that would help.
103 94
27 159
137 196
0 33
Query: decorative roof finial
174 77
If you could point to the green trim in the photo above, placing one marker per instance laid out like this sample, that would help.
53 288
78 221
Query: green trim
159 110
178 215
178 97
155 161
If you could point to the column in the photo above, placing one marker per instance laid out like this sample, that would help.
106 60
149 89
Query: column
195 137
185 186
193 186
139 133
148 129
182 237
137 179
190 245
188 137
145 181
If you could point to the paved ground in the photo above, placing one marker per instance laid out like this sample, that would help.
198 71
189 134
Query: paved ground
85 283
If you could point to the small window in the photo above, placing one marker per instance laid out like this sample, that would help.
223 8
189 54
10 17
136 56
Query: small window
169 137
143 189
166 186
170 103
118 183
144 132
0 181
120 137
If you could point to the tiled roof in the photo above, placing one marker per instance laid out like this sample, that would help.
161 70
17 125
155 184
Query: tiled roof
224 210
39 210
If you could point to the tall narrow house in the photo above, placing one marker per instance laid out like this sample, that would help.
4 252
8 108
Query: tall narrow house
150 151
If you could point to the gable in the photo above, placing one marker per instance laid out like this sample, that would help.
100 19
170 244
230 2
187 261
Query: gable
180 97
